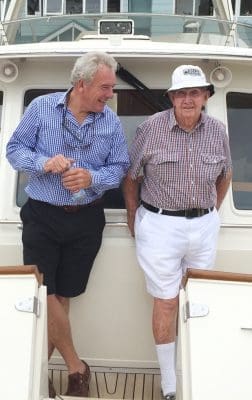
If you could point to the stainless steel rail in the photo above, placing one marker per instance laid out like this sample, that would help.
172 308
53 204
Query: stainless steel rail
124 224
16 222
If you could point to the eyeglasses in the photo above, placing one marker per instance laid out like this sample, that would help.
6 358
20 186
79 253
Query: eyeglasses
71 136
193 93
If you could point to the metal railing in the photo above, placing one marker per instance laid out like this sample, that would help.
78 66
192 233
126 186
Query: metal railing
158 27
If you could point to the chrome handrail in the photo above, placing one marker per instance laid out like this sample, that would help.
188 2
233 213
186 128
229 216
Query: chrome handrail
124 224
18 222
223 27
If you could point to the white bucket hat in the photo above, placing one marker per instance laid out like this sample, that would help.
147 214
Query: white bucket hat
189 76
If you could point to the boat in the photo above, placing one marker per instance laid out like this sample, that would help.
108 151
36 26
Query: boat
40 40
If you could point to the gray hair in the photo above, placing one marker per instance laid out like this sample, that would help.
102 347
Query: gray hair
86 66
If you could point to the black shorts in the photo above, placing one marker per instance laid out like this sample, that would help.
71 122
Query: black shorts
62 244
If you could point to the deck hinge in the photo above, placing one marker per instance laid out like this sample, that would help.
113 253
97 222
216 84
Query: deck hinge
193 310
28 304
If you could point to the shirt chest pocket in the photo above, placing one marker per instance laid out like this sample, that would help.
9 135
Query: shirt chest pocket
166 165
212 165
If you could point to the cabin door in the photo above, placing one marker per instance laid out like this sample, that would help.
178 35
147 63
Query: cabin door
215 350
23 340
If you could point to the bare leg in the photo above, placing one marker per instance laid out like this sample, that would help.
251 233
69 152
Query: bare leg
66 305
164 320
59 333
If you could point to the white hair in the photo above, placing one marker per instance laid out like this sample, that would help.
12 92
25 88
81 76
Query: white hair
86 66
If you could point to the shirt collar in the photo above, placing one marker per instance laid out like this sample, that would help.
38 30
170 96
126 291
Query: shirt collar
62 102
63 98
173 122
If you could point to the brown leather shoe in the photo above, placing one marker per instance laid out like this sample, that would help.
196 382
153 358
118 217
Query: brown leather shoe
78 384
51 390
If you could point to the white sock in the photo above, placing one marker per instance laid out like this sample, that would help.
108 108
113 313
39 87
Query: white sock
166 359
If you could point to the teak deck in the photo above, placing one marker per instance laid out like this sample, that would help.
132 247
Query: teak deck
114 383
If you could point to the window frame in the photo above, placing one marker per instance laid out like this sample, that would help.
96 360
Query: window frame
43 6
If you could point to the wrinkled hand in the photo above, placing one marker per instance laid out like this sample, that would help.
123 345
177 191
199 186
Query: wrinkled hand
58 164
76 178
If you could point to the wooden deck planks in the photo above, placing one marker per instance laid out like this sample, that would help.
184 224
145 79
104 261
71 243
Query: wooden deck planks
114 383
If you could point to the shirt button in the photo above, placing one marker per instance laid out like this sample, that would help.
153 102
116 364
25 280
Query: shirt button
191 165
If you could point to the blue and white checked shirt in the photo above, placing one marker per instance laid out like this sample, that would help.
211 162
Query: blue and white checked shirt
40 135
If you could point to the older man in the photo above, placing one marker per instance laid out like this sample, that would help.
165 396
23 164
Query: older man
73 148
185 158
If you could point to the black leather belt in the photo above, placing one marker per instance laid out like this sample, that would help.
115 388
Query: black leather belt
70 208
189 213
77 207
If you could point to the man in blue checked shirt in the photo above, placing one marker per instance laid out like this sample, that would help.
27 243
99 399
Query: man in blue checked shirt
72 147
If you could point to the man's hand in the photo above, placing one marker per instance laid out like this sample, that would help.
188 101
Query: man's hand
222 185
76 178
131 221
58 164
131 197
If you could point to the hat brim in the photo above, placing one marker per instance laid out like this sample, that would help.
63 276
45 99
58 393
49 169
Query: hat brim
207 85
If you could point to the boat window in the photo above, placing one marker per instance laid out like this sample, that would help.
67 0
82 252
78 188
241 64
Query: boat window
239 108
242 7
44 7
132 109
113 6
246 7
33 7
194 7
54 6
73 6
92 6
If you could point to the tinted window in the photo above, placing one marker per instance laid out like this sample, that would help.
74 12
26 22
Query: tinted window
239 113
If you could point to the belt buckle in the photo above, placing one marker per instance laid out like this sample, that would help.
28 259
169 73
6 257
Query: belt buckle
71 209
194 213
189 213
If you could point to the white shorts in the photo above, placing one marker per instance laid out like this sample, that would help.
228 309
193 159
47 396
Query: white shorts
166 246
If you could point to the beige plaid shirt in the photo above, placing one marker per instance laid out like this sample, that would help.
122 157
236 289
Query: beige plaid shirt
179 169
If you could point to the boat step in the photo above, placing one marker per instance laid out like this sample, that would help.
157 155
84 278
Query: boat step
113 383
